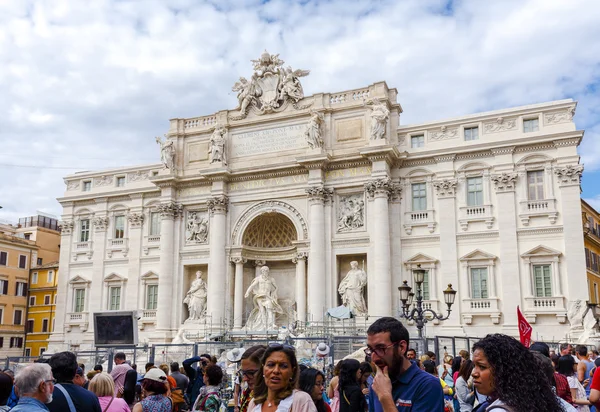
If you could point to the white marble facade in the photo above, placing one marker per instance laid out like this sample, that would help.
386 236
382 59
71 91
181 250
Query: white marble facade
488 202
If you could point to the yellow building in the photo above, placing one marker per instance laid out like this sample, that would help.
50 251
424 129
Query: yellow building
41 308
591 237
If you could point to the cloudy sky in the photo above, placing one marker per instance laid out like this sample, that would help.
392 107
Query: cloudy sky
86 85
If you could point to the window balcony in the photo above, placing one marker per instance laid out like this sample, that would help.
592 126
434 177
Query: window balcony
481 307
470 214
81 249
83 246
118 245
148 318
153 239
538 208
419 218
77 319
545 306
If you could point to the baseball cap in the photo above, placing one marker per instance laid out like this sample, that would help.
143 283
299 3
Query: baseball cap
155 374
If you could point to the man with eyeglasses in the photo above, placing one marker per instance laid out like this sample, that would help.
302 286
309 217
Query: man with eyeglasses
34 384
399 384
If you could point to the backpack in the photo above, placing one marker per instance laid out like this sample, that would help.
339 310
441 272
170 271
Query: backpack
177 396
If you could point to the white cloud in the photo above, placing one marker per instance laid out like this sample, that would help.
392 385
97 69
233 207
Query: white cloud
88 84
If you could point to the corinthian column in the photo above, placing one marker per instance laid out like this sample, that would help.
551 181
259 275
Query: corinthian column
300 261
217 266
316 265
380 279
238 294
168 212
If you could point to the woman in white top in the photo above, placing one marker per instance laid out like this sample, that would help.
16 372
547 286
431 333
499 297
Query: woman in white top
566 366
276 381
465 394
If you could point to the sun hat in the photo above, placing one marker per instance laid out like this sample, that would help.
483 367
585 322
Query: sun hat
235 354
155 374
322 349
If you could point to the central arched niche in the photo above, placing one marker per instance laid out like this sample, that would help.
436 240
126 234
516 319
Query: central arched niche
270 230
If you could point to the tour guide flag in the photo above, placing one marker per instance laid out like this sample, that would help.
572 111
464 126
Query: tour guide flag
524 329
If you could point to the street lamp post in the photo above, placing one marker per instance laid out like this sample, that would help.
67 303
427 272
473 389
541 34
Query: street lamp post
417 313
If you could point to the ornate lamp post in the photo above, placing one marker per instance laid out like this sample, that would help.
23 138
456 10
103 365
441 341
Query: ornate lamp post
417 313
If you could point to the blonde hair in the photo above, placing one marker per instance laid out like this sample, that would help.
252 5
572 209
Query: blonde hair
165 368
424 358
102 385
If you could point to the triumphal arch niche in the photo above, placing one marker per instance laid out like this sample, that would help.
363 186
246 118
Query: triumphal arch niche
285 197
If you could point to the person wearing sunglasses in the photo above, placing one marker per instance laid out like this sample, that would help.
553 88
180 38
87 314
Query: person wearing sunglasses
276 383
249 366
399 383
35 385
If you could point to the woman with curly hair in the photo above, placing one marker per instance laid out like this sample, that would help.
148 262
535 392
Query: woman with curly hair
508 374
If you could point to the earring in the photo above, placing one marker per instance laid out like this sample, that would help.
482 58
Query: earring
291 379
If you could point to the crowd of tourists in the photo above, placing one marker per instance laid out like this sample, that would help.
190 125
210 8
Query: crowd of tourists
500 374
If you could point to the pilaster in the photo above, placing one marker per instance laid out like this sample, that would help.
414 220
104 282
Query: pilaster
217 273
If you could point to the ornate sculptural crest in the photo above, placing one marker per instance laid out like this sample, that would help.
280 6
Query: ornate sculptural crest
270 88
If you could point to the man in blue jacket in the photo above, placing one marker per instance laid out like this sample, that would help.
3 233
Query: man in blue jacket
195 375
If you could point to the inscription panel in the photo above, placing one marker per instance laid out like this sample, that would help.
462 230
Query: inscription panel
348 129
276 139
197 152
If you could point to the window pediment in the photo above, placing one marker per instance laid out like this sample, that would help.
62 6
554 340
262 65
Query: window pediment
541 251
79 280
114 277
149 276
478 257
420 258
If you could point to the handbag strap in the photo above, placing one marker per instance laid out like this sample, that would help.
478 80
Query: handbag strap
108 406
67 397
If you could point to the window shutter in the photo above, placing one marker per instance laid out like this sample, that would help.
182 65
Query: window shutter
5 288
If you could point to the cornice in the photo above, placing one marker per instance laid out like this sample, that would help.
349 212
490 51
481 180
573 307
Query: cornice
539 231
478 235
363 240
349 164
421 239
388 153
265 175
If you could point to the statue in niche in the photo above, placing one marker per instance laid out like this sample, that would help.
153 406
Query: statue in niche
197 228
351 290
195 299
379 117
167 152
313 130
217 145
351 213
265 302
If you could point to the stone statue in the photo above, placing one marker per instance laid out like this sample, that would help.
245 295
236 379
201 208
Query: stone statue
351 213
351 290
313 130
216 150
197 228
290 83
379 117
247 92
265 302
167 152
195 299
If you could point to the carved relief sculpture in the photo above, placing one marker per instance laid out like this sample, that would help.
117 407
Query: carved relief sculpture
351 290
569 174
379 117
265 302
195 299
443 133
167 152
137 176
103 181
351 213
560 117
73 185
216 151
196 228
504 181
313 130
500 125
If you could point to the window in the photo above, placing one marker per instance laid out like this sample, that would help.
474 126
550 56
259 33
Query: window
22 262
154 224
39 261
531 125
79 300
542 279
119 227
3 258
120 181
419 196
30 325
27 351
588 263
44 325
1 341
417 141
1 316
27 236
21 289
114 298
84 230
50 276
471 133
479 283
3 286
31 300
151 296
34 278
595 292
475 191
535 185
87 186
46 299
16 342
17 317
42 350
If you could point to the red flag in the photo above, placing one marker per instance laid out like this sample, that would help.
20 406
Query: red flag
525 329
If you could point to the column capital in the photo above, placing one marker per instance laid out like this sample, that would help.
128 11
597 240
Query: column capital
445 188
170 210
237 260
66 227
505 182
258 263
135 219
218 204
300 256
319 193
380 187
100 223
569 175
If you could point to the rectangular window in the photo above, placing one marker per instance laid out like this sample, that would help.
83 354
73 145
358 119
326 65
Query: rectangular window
87 186
531 125
50 276
475 191
21 289
1 315
44 325
42 350
535 185
84 230
22 262
588 263
419 196
39 261
471 133
3 258
479 283
417 141
114 298
46 299
3 286
34 278
79 300
16 342
1 341
542 281
120 181
27 236
151 296
31 300
154 224
426 286
29 327
119 227
18 317
595 292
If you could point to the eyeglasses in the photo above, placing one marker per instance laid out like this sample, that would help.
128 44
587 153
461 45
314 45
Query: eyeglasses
277 345
53 381
249 373
379 351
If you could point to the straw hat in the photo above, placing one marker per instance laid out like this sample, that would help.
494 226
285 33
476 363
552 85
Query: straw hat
322 349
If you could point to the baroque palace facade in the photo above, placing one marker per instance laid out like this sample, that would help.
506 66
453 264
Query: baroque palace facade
305 185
